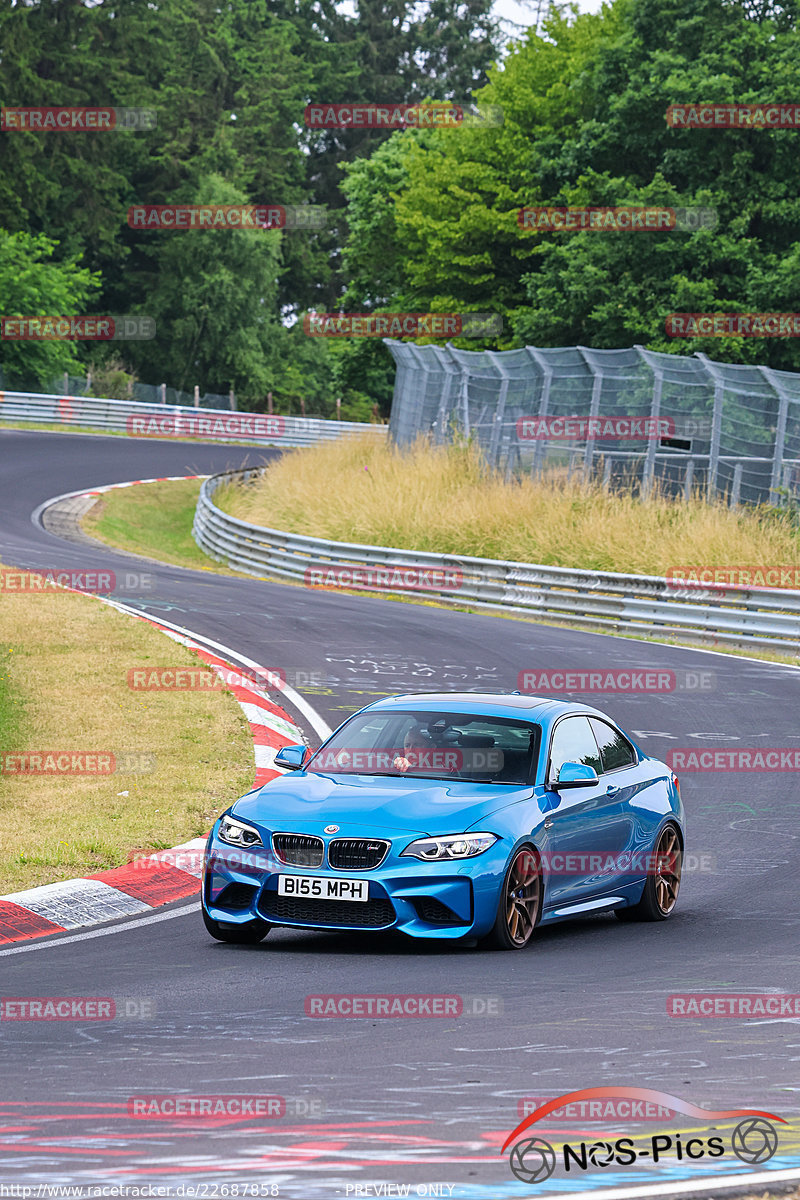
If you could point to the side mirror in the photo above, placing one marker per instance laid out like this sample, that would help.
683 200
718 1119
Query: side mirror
575 775
291 757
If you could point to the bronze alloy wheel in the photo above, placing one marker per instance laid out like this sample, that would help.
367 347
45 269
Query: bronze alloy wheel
660 893
668 864
520 902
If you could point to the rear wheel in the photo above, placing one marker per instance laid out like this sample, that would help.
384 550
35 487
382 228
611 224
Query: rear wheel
243 935
520 902
663 883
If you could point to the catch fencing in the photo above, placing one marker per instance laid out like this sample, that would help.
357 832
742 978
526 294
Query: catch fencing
635 604
170 420
148 393
629 417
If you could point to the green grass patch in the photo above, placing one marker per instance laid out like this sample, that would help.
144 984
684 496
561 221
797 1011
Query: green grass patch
152 519
11 701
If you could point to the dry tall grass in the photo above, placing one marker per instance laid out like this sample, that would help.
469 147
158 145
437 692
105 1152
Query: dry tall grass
445 499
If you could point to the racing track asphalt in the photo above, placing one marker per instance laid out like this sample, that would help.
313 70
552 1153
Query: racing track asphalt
403 1101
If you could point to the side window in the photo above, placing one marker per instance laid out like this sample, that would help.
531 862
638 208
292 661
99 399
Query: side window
615 750
573 741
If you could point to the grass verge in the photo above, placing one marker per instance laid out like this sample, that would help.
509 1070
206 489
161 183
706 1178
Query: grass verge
153 519
446 500
180 757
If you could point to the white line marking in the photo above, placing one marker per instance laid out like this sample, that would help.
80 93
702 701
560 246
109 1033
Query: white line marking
96 933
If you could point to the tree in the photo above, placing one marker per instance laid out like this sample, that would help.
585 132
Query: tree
32 285
584 122
215 304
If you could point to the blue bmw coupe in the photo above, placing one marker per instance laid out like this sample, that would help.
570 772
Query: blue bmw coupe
451 816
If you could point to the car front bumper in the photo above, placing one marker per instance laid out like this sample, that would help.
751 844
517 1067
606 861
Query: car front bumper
447 900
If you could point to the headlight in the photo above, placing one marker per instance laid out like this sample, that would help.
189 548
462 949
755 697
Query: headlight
237 833
453 845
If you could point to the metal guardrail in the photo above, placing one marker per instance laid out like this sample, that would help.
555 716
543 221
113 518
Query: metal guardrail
644 604
171 420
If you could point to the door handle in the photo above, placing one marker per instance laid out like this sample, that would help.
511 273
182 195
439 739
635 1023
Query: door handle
613 791
548 824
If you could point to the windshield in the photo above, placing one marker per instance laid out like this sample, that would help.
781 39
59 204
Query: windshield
432 745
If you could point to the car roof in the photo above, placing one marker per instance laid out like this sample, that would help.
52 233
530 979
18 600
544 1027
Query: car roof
509 704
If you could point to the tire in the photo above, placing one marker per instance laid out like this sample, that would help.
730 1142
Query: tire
243 935
518 916
661 887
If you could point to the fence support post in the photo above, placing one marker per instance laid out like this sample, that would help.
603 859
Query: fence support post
649 471
607 472
497 423
687 487
780 435
736 489
540 446
716 423
197 395
594 412
463 399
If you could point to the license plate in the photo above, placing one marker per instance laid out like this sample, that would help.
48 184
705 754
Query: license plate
323 889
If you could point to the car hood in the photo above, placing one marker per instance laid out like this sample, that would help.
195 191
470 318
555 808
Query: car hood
306 802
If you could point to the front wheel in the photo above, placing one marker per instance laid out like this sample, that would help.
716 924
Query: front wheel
520 903
243 935
663 883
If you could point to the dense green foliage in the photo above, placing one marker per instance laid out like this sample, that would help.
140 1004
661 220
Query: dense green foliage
585 124
229 85
418 220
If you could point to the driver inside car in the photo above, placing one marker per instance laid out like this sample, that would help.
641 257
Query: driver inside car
414 740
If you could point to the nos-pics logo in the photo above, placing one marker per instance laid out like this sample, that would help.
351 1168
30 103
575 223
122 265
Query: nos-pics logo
754 1139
